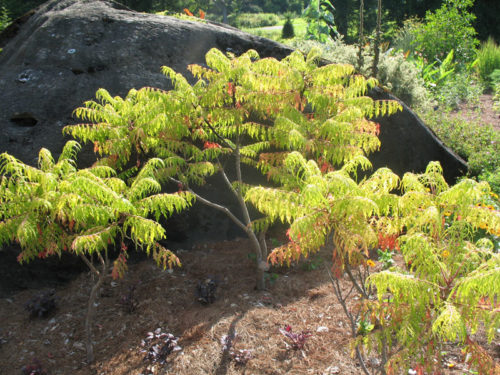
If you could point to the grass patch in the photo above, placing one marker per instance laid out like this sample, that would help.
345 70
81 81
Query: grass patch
488 61
274 31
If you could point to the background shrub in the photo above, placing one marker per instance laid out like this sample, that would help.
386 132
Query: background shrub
404 40
395 72
488 59
457 88
478 144
253 20
448 28
287 32
495 80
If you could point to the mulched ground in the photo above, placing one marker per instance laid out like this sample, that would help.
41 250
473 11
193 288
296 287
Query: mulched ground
301 297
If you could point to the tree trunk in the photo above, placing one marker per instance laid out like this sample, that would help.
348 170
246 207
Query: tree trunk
101 276
376 54
361 36
224 15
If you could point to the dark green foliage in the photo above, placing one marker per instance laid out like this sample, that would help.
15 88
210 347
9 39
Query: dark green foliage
288 32
448 28
346 14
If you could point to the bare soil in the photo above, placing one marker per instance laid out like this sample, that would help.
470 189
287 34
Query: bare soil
481 111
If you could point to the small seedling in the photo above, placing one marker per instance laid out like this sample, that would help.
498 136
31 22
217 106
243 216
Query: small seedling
240 356
365 327
385 257
34 368
128 301
206 290
298 340
158 345
40 306
271 277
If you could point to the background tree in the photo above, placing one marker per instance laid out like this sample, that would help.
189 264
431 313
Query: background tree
343 11
288 31
346 14
448 28
320 21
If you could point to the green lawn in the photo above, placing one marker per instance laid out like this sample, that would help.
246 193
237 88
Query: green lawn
274 32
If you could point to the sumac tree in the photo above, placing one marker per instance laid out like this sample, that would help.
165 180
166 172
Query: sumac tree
240 111
58 208
448 286
447 289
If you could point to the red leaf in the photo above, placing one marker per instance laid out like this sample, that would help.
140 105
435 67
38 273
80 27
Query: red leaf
208 144
297 100
386 242
186 10
202 14
230 88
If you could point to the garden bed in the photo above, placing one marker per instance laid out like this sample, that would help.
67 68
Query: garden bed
301 297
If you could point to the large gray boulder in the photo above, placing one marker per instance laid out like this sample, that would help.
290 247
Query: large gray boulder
57 56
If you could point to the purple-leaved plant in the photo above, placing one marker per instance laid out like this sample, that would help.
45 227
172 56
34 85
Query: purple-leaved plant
158 345
41 305
240 356
298 340
34 368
